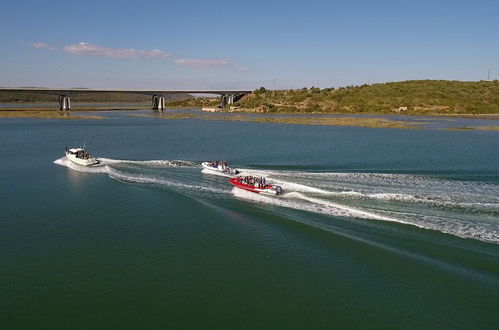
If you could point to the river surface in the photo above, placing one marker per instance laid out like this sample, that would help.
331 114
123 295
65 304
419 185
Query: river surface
377 228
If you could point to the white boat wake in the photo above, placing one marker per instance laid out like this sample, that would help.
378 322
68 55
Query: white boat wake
460 208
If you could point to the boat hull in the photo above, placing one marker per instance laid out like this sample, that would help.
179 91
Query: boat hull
219 169
207 166
84 162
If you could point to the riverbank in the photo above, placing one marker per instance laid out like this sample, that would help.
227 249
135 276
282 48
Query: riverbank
45 114
103 106
414 97
42 110
483 122
380 121
467 128
4 108
337 121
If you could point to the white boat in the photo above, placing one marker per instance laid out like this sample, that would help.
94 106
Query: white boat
220 167
80 157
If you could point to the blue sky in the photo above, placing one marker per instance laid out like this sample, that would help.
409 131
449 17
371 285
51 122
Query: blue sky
230 44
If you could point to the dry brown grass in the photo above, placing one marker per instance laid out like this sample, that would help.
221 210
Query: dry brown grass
305 120
473 128
44 114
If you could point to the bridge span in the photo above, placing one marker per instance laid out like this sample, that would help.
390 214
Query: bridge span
158 97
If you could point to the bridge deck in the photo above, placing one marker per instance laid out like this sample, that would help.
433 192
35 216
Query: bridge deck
69 91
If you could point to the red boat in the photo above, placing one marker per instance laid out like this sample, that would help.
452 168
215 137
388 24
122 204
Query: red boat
256 185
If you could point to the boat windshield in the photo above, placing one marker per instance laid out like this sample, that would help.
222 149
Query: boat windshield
79 153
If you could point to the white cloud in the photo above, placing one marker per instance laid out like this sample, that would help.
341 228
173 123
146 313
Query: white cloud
88 49
41 45
243 69
202 62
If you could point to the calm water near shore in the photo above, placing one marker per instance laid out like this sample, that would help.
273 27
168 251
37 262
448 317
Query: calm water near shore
378 228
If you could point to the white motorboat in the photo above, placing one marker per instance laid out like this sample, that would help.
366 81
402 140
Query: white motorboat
220 167
81 157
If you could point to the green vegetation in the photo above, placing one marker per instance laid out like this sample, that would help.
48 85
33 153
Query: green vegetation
421 97
429 97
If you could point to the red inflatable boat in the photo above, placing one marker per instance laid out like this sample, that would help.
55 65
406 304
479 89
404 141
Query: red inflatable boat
256 185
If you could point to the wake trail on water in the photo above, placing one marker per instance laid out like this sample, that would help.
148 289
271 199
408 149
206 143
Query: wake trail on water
106 167
462 208
389 187
146 179
151 163
295 200
63 161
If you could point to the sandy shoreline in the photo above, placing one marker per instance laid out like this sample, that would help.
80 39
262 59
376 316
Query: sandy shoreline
299 119
87 107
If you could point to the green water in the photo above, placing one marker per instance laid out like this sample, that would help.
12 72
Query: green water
378 228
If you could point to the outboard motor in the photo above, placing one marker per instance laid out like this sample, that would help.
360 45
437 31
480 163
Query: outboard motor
278 190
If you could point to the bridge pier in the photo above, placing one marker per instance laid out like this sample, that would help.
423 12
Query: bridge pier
64 103
158 102
226 99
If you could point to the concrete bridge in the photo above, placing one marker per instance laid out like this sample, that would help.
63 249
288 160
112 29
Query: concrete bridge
158 96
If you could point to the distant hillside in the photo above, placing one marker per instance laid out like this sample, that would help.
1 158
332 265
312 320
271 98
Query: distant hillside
26 97
426 97
411 97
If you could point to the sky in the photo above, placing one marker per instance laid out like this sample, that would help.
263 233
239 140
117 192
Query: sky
245 44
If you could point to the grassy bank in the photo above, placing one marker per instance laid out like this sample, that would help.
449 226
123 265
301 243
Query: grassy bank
416 97
296 120
45 114
340 121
